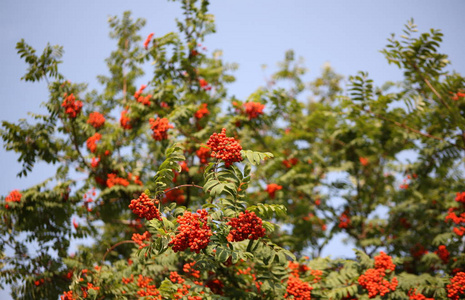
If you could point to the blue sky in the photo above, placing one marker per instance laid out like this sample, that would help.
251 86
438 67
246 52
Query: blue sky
347 34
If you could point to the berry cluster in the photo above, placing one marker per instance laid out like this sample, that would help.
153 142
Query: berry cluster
203 153
457 96
373 279
384 261
147 41
248 271
215 285
204 84
188 268
194 233
128 280
443 253
363 161
227 149
96 119
176 278
184 166
457 219
297 268
272 189
202 111
246 226
142 239
95 161
344 220
288 163
141 99
68 296
460 197
253 109
113 179
134 178
90 286
456 288
147 289
175 195
39 282
14 196
160 128
298 289
72 107
145 207
413 295
124 120
92 142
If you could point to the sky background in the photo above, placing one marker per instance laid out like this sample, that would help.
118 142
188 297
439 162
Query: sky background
347 34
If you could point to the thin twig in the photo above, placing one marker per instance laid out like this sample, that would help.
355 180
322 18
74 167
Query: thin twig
116 245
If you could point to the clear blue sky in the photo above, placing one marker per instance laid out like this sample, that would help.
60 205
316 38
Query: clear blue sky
347 34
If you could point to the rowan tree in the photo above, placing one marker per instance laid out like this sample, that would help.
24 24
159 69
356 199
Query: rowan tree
189 193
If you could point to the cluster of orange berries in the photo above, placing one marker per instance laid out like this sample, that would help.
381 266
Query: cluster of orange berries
297 268
188 268
141 99
96 119
456 288
90 286
145 207
72 107
458 218
414 295
254 109
14 196
128 280
194 232
184 290
384 261
204 84
215 285
175 195
344 220
272 189
298 289
248 271
134 178
225 148
113 180
460 197
202 111
203 153
68 296
142 239
124 120
147 289
373 279
160 128
246 226
92 142
364 161
457 96
147 41
443 253
290 162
